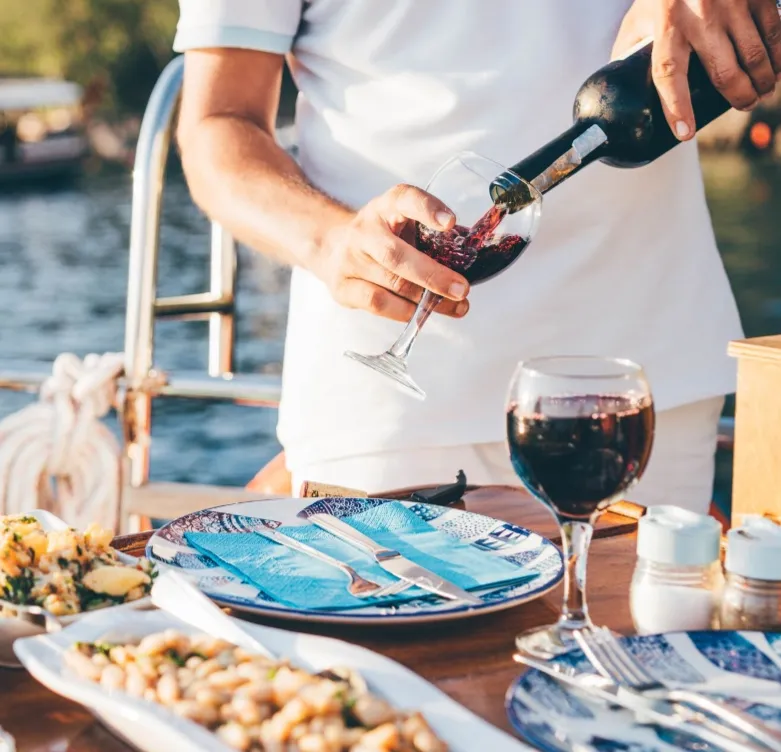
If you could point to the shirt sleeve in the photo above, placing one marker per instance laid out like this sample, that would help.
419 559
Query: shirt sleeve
266 25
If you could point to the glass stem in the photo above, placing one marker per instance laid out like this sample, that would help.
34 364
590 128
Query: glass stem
402 346
575 540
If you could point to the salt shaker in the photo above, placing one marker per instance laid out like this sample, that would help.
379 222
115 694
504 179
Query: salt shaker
678 579
752 595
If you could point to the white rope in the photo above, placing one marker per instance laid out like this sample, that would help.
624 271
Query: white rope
57 454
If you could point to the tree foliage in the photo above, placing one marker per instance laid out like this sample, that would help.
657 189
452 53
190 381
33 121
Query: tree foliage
121 45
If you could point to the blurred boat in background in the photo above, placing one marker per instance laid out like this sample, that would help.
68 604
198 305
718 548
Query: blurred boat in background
42 134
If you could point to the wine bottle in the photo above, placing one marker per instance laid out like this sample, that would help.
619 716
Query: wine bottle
618 119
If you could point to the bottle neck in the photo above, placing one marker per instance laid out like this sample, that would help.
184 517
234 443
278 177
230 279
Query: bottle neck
568 153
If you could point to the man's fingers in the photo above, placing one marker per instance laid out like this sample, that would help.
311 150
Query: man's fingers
718 55
405 289
404 261
377 300
752 53
670 67
769 23
404 202
374 272
454 308
366 296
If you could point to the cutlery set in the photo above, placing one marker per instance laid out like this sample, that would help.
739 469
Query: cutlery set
392 561
621 681
358 586
408 573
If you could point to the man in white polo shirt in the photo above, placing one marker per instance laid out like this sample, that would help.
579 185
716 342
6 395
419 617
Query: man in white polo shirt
624 264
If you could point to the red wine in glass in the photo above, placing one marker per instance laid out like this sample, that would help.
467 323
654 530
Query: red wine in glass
578 454
580 431
475 252
488 238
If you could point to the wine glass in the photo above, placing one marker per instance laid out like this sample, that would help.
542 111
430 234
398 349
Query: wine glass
487 238
580 431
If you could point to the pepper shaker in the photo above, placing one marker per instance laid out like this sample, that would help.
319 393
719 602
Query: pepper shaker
752 595
678 578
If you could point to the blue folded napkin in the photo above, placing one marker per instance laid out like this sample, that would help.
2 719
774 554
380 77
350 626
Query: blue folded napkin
300 581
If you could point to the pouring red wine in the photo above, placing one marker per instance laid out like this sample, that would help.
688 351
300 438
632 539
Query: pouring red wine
618 120
478 252
490 235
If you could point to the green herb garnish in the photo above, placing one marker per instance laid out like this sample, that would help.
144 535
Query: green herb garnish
174 657
348 703
18 589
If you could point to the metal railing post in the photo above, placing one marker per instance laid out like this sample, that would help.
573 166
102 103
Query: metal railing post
148 176
222 287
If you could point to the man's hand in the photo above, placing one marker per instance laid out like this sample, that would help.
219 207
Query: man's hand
366 264
738 42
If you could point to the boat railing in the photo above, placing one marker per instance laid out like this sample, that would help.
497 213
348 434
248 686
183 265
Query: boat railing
217 305
142 382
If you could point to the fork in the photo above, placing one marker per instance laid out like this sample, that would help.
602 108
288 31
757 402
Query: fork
613 661
358 586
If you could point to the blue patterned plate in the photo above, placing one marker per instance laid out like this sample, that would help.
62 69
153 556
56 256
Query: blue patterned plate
744 667
510 542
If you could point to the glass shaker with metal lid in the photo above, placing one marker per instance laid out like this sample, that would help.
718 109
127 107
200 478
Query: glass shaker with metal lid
752 595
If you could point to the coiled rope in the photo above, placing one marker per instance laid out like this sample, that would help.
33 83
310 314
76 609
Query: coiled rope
57 454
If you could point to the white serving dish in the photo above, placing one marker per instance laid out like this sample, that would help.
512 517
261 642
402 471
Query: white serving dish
152 728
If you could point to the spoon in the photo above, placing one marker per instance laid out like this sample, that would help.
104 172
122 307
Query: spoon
177 595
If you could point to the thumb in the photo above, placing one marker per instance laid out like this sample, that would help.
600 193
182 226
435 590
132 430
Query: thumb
636 31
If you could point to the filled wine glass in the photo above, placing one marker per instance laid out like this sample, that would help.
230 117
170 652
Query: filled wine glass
580 432
486 239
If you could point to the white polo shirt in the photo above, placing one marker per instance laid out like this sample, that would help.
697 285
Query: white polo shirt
624 264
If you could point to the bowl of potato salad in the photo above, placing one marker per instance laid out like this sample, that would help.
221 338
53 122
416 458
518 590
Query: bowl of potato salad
50 574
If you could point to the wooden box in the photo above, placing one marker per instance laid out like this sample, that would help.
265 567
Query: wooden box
756 484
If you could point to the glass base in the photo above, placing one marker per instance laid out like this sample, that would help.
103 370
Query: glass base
393 368
549 642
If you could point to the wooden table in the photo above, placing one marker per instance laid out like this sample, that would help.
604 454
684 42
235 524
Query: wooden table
470 660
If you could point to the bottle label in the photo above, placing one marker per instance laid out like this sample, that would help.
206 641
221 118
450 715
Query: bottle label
589 141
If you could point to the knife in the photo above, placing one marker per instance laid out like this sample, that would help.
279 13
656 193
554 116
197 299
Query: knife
661 714
392 561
